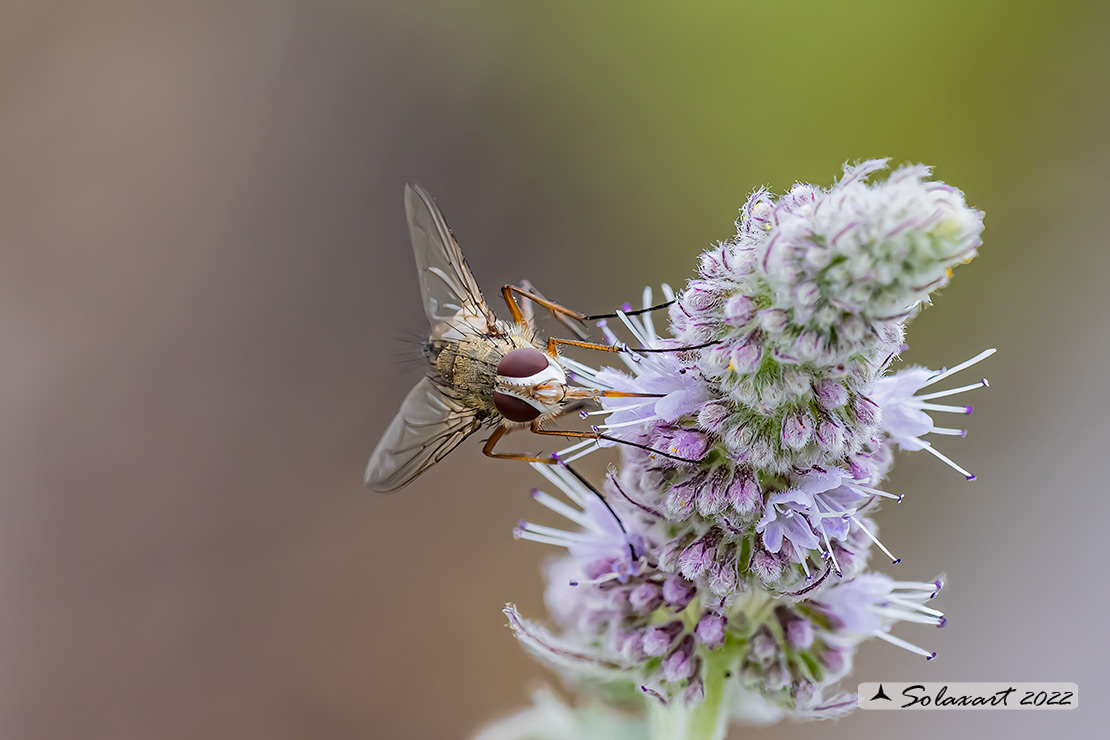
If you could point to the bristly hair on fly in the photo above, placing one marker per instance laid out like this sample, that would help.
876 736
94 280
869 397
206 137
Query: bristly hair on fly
412 351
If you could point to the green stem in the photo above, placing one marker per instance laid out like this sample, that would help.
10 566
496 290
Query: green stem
705 721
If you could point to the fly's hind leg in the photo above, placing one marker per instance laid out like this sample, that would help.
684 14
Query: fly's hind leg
563 315
573 320
568 318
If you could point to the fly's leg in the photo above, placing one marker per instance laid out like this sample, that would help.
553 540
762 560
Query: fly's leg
553 346
494 438
526 289
562 312
587 394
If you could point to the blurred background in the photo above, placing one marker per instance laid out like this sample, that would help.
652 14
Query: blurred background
209 313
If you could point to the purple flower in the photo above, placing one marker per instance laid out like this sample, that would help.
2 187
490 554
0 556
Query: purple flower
658 640
676 390
601 547
811 703
799 633
867 606
559 652
785 519
776 398
680 663
711 631
904 415
677 591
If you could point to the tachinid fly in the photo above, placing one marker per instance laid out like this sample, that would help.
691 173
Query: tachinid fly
484 372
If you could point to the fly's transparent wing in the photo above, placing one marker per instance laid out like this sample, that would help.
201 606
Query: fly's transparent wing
429 425
452 298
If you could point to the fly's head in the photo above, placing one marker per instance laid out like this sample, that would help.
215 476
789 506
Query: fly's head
530 384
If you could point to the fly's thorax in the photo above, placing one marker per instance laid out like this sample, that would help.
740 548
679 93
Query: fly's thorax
529 384
468 367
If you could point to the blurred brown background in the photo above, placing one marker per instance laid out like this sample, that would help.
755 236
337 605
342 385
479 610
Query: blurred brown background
206 271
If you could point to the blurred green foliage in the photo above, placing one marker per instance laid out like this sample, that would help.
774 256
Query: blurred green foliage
682 109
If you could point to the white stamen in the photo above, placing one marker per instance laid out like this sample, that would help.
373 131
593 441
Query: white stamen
595 581
608 334
624 353
911 586
562 454
553 532
876 492
940 407
624 407
947 460
832 555
963 365
903 644
524 534
872 537
634 422
905 615
571 488
578 368
648 322
951 391
635 330
668 292
560 508
915 606
630 359
948 431
584 452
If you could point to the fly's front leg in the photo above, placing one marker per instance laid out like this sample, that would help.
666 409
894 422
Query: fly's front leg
494 438
568 433
553 346
502 430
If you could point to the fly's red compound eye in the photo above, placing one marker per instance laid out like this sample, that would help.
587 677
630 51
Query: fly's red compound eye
513 408
522 363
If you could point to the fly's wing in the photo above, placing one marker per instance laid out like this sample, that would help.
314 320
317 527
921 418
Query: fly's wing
452 298
429 425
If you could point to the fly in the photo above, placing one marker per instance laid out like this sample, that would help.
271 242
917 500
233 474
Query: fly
484 372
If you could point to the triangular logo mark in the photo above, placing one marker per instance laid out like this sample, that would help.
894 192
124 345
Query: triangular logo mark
881 694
